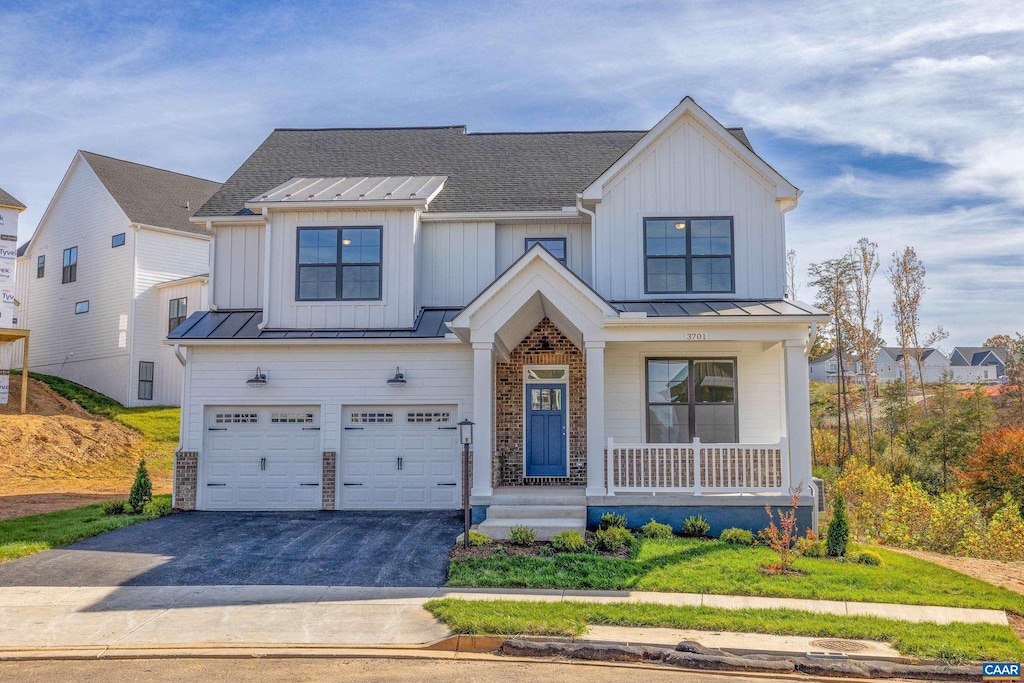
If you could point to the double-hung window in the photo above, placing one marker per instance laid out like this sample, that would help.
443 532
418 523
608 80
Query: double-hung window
40 266
688 398
688 255
554 245
338 264
69 272
146 380
177 313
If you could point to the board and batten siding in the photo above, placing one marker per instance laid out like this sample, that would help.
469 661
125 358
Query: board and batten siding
159 257
237 260
91 348
690 172
456 262
168 372
329 376
394 310
761 390
511 244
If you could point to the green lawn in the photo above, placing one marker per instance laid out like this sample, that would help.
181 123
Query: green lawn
706 566
952 642
27 535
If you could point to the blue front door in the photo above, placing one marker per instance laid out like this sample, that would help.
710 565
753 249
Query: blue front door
545 430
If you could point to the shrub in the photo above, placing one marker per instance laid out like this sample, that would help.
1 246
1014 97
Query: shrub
695 527
142 489
477 538
568 542
782 538
115 507
656 530
499 551
521 535
994 469
736 536
610 519
613 538
156 508
1005 538
867 557
838 529
811 547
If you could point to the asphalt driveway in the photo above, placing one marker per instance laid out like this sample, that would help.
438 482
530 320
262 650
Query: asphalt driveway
364 548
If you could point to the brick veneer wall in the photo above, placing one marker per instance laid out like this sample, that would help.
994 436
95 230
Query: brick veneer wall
328 485
509 407
186 476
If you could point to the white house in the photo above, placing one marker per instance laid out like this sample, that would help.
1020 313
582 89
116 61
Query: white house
826 368
889 364
90 278
606 307
977 364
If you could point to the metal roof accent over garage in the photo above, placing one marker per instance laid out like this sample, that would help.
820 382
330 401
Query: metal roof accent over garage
394 189
716 308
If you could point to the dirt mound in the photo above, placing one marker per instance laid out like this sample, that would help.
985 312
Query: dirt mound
42 400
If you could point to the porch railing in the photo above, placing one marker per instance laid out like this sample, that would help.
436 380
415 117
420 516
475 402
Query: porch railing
698 468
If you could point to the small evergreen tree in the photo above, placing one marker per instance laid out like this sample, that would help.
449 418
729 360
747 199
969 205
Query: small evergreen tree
142 489
838 530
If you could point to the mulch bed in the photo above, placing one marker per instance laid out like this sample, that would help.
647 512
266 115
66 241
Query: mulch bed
537 549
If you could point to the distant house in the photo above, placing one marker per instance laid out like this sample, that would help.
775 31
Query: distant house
113 266
826 368
889 364
970 364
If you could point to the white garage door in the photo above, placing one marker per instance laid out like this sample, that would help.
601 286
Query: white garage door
404 457
265 458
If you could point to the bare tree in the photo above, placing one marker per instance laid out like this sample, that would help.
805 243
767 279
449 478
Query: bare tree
865 333
906 274
791 287
833 280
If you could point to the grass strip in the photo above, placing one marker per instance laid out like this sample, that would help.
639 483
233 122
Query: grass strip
956 642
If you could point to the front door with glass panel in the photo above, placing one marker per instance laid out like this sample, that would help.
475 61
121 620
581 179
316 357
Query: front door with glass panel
545 430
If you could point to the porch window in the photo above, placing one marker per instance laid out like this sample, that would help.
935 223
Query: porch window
554 245
689 398
688 255
338 264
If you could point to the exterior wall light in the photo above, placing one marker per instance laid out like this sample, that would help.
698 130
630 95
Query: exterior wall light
398 380
466 432
259 380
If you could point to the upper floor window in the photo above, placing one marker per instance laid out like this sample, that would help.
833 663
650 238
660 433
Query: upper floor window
117 240
688 255
691 398
555 245
177 313
69 273
81 307
40 266
338 264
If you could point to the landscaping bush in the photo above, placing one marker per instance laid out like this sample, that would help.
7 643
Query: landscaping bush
115 507
568 542
838 530
695 527
613 538
811 547
1005 538
522 535
736 536
477 539
142 489
867 557
610 519
156 508
656 530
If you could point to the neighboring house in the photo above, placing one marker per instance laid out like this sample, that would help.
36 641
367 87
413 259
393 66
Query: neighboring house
91 275
972 364
826 368
889 365
596 302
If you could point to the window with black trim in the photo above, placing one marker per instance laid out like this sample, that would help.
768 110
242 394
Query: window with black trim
40 266
145 380
688 255
177 313
338 264
555 245
117 240
69 273
81 307
689 398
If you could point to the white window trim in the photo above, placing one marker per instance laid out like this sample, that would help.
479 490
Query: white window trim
527 381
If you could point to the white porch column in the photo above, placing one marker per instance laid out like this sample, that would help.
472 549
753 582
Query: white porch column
595 419
798 413
483 416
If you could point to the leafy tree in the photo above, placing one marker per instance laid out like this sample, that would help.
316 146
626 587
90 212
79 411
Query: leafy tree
951 431
865 331
142 489
999 341
996 468
906 274
1011 396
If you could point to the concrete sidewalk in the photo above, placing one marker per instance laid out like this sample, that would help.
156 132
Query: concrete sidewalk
52 617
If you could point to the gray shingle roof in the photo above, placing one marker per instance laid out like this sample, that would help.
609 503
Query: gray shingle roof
22 249
6 199
152 196
486 171
975 355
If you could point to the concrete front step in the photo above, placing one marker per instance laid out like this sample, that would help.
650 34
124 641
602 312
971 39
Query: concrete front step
513 512
545 528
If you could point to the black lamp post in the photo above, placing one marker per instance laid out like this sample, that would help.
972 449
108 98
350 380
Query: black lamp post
466 438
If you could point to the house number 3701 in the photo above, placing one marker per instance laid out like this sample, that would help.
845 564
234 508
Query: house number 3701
696 336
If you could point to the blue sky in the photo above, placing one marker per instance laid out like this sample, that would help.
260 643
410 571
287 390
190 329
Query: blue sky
902 122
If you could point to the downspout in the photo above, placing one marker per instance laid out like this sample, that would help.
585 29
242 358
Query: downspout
177 354
131 311
266 271
593 237
212 300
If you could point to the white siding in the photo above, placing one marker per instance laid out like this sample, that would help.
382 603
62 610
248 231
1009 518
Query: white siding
456 262
168 371
759 378
159 257
511 244
690 172
82 214
330 377
238 260
394 310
